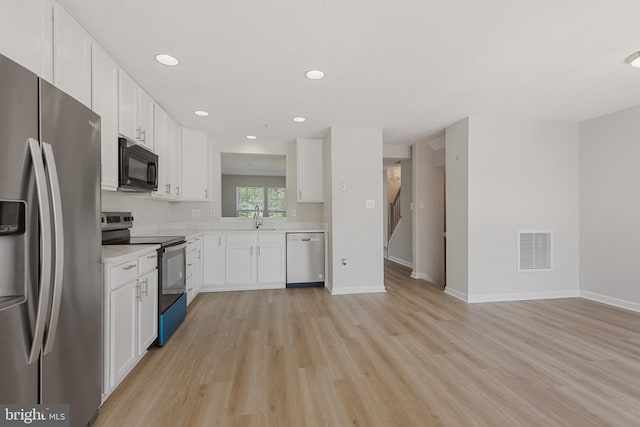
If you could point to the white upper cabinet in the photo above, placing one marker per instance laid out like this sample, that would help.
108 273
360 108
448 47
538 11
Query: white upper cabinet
166 138
26 31
71 57
163 150
135 115
127 106
104 101
145 118
310 169
195 165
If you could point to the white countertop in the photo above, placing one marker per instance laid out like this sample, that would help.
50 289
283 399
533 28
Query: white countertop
113 254
191 233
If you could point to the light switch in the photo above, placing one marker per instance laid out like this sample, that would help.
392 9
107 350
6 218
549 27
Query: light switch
293 212
371 204
343 187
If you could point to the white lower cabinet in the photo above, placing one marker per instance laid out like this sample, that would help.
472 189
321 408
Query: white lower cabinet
122 340
131 315
254 260
147 310
213 260
194 273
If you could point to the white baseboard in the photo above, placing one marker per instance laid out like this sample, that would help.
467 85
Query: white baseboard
616 302
456 294
423 276
400 261
231 288
358 290
523 296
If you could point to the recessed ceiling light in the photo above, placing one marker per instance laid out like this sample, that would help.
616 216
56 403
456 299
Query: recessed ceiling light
251 137
299 119
201 113
633 59
165 59
314 74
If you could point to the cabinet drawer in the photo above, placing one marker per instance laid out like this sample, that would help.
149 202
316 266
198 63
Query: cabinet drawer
247 237
124 273
147 263
269 237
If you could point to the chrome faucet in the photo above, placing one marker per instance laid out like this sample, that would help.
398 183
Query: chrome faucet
257 220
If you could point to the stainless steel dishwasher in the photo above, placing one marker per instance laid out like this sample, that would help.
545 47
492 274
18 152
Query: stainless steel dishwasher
305 260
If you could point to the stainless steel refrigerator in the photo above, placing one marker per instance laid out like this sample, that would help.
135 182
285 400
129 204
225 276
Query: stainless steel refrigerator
50 266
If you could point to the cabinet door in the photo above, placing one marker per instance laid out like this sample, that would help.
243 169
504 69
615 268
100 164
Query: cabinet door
147 311
197 264
145 119
123 329
162 149
310 169
212 260
26 34
271 262
71 57
177 160
195 165
127 106
104 101
240 263
189 272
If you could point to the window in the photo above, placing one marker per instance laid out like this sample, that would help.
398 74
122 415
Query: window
273 198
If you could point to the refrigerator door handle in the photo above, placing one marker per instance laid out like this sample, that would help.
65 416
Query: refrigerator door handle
58 233
44 214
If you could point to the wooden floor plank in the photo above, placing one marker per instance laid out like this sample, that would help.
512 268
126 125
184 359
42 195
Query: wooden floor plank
411 357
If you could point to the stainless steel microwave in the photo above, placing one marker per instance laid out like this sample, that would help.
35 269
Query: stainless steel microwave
137 167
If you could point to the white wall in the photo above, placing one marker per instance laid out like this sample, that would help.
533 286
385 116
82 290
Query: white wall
428 212
522 175
355 230
146 211
610 208
328 209
457 212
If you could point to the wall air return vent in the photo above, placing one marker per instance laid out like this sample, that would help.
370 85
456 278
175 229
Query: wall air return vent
535 251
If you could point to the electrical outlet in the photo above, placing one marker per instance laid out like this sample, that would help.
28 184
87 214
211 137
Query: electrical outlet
343 187
195 213
557 265
371 204
212 212
293 212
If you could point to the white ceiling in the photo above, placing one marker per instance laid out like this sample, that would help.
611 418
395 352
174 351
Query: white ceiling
410 67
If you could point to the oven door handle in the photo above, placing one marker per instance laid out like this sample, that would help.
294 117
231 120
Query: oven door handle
175 248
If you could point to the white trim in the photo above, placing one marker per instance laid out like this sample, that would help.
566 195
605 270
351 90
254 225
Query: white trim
328 285
358 290
456 294
605 299
252 287
400 261
422 276
523 296
394 231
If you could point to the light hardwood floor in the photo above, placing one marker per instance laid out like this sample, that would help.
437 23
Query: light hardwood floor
411 357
